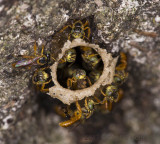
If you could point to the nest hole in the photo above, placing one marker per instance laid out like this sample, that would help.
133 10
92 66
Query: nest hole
87 60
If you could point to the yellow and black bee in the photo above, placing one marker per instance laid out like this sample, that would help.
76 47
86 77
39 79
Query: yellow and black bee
78 30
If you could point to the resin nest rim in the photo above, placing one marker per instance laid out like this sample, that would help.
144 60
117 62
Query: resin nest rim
68 96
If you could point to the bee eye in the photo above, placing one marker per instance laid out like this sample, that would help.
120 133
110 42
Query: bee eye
78 25
117 79
91 106
77 30
36 78
42 60
109 93
93 59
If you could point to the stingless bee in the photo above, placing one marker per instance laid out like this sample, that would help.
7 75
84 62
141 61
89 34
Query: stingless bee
80 113
95 75
69 56
78 80
90 58
78 30
112 92
41 77
123 62
28 61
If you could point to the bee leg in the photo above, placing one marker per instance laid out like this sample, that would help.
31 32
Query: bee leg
109 105
116 75
33 77
97 99
123 61
90 110
44 69
26 56
71 121
43 86
89 81
120 95
77 116
65 28
89 31
92 55
69 36
78 21
84 37
42 50
52 57
69 83
78 107
103 93
86 106
105 101
69 111
35 49
59 111
86 23
62 60
43 89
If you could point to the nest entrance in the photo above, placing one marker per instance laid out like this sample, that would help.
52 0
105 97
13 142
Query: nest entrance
68 96
88 60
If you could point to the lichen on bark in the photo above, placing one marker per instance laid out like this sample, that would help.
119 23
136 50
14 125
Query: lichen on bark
24 114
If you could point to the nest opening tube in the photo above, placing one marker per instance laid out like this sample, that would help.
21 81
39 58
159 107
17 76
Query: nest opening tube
68 96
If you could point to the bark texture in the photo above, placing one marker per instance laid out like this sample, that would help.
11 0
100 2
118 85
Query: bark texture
27 117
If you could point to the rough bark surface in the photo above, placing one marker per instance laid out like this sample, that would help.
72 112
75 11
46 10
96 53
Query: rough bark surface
27 117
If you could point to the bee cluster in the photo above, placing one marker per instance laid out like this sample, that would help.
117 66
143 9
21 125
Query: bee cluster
80 68
79 76
41 76
77 68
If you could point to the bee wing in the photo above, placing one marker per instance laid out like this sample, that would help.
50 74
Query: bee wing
24 62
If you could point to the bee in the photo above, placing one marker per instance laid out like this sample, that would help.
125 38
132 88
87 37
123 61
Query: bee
74 118
41 77
78 30
69 71
90 58
95 75
89 108
80 113
62 110
87 51
78 80
123 62
120 74
120 77
69 56
112 92
40 60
